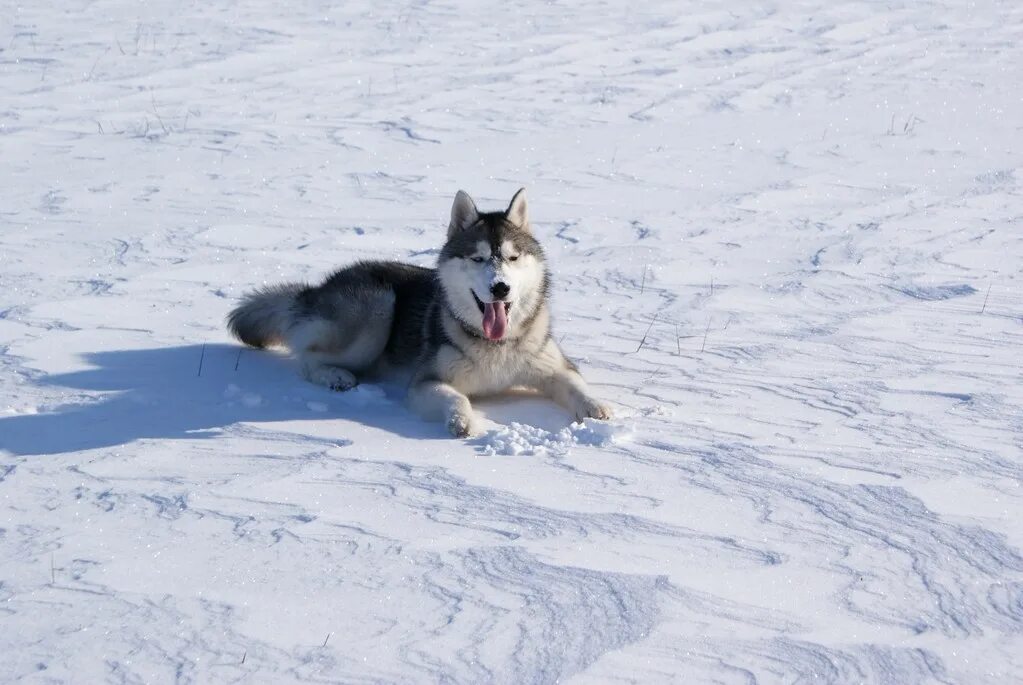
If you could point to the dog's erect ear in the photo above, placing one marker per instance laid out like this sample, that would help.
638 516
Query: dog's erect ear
517 212
463 213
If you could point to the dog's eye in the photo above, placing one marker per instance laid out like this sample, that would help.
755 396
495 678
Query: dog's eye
478 260
513 258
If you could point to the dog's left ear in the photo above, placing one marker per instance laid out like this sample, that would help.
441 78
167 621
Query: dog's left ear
517 212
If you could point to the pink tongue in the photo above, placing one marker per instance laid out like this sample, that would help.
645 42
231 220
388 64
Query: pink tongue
495 320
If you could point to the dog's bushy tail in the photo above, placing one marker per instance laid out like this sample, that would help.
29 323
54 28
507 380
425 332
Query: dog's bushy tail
264 315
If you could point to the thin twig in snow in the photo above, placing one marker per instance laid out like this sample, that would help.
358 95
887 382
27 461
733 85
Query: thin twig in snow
239 358
910 122
326 638
985 297
88 77
158 117
202 356
641 342
705 333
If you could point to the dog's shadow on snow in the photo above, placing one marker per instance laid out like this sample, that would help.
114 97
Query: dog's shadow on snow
197 391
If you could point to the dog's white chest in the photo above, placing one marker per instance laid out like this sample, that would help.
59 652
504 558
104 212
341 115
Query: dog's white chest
494 371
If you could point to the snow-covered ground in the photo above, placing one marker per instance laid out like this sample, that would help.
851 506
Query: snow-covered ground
787 241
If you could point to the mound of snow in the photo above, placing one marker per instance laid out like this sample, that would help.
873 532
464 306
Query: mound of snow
522 439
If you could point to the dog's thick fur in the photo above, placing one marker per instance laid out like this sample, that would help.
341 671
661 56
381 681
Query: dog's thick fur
478 324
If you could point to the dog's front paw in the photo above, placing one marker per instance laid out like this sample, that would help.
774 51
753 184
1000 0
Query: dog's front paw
464 425
590 408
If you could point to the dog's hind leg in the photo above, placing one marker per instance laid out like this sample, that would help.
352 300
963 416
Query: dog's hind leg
322 372
342 334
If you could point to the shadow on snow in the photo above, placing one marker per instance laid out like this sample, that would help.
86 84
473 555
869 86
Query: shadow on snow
160 393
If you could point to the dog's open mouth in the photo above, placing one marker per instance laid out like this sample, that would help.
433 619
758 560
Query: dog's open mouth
495 317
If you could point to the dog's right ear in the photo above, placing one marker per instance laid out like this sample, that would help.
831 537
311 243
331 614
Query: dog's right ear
463 213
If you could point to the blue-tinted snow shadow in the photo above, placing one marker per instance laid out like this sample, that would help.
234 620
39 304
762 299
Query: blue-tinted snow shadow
524 406
160 393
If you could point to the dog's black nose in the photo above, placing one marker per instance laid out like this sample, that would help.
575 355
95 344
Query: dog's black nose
500 290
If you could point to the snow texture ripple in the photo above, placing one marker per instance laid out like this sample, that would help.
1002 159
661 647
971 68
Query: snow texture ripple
786 240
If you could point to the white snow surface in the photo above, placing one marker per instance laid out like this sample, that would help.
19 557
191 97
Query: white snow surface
786 240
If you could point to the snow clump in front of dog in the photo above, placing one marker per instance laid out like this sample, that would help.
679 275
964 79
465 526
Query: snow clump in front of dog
521 439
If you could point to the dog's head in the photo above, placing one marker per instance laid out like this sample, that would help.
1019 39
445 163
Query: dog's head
491 268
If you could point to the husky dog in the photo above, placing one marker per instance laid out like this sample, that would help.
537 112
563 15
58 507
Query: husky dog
476 325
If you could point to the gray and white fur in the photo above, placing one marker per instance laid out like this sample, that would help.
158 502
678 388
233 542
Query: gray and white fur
477 324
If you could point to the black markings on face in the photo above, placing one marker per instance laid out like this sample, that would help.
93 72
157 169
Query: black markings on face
494 230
